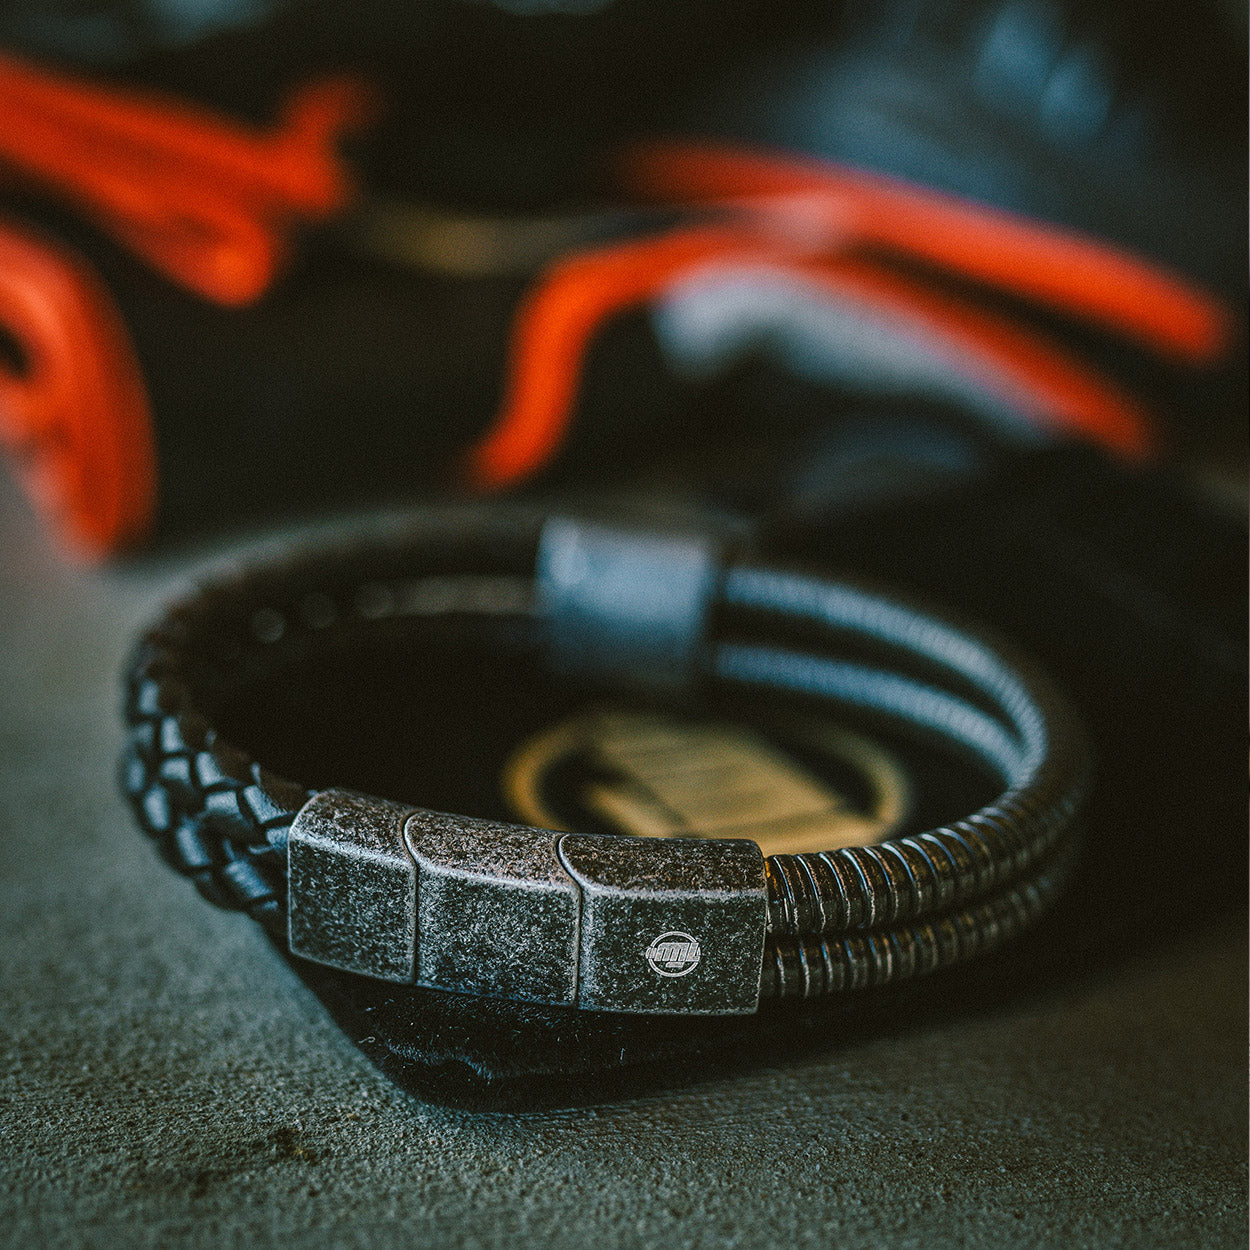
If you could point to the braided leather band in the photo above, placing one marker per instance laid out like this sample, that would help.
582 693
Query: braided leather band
841 920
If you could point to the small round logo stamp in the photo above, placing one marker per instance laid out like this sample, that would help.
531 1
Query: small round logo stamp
673 954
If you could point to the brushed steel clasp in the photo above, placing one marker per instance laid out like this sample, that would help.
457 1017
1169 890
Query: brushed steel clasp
669 925
352 885
497 913
673 926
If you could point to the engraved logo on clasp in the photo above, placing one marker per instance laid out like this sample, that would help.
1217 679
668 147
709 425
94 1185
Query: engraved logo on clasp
673 954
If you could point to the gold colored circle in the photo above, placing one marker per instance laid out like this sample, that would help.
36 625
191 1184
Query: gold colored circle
784 812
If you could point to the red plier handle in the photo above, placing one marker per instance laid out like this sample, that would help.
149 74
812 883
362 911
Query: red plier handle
558 319
74 414
839 209
207 201
833 231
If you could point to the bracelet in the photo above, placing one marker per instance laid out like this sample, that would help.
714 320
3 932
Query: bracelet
601 922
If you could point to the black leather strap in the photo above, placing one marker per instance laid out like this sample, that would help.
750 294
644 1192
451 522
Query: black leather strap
840 920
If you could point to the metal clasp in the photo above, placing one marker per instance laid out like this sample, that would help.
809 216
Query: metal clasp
496 912
671 926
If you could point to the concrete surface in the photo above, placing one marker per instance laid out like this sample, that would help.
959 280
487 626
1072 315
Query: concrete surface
168 1082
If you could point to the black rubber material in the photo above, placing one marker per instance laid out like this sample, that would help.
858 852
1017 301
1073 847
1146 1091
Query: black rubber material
853 918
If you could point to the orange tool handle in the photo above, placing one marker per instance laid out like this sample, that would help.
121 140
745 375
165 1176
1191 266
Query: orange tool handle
1055 267
557 321
73 407
208 202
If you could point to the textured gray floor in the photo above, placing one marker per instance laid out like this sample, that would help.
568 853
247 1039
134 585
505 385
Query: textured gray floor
166 1081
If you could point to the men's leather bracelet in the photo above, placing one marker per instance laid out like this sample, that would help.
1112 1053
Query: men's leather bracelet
597 921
